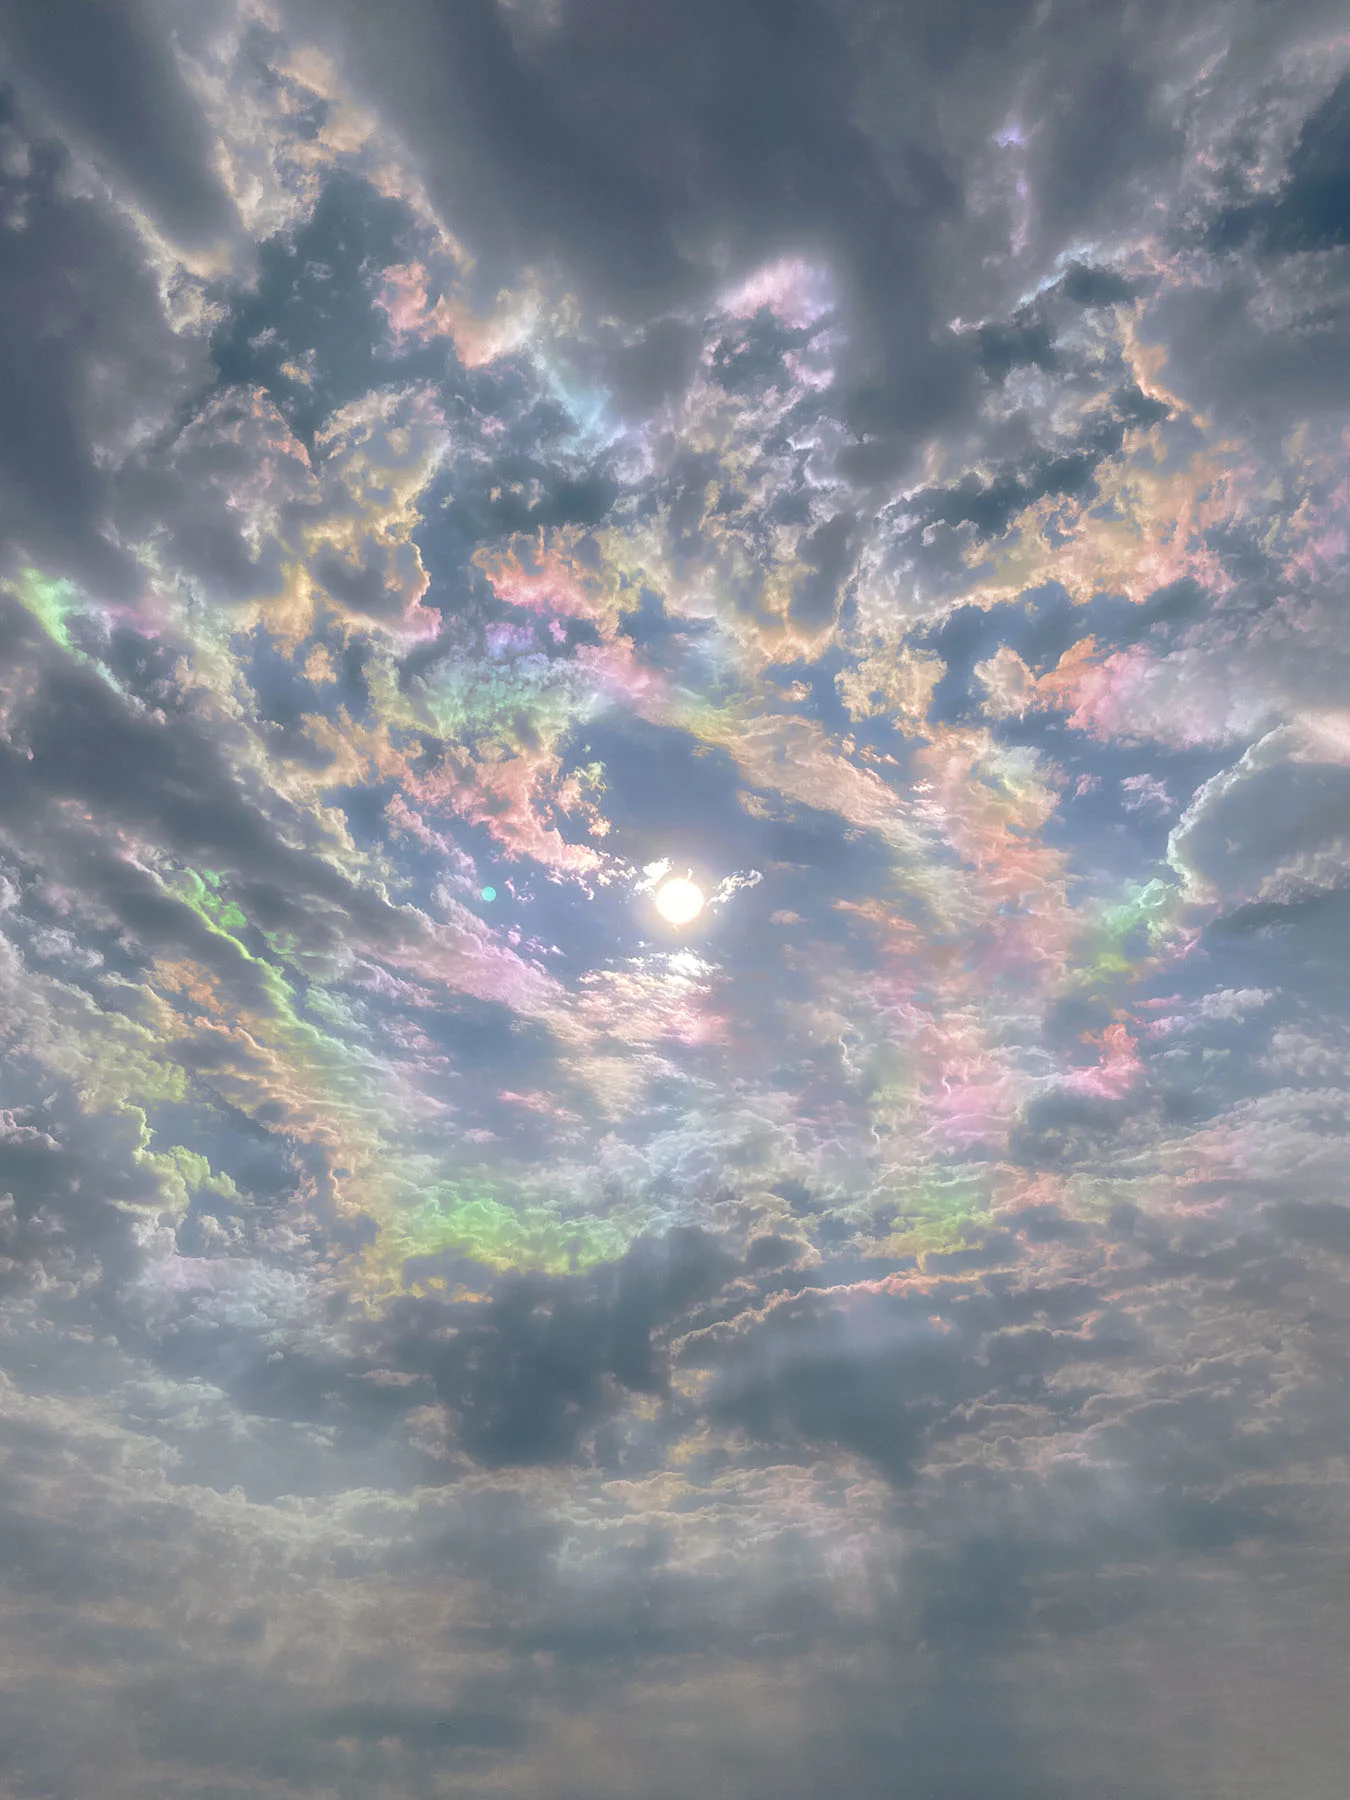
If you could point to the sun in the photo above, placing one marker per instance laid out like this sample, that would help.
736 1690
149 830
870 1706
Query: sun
679 900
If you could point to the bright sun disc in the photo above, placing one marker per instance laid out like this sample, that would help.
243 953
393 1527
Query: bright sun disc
678 901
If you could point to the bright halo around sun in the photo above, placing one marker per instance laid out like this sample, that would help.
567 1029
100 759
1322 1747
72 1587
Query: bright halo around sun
679 901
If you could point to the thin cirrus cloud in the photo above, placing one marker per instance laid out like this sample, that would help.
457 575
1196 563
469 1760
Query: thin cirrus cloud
887 466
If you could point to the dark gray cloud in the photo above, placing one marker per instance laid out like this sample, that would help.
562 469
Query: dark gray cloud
638 146
77 297
1308 209
110 77
68 1205
548 1363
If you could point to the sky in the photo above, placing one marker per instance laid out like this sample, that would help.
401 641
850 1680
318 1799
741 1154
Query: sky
464 464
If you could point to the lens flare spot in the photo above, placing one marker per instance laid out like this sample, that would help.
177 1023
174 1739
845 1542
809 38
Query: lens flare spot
489 893
679 900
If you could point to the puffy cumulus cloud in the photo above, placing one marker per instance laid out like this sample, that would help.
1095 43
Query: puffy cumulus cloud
891 679
1273 825
460 465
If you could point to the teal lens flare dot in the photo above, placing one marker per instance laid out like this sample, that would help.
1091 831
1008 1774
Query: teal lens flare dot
489 893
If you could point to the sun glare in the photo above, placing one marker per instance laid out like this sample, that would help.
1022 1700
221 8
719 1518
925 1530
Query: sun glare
679 900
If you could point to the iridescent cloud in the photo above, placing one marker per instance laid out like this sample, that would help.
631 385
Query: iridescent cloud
462 1329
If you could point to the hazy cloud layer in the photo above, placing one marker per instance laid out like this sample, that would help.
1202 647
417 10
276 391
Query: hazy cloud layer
461 463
